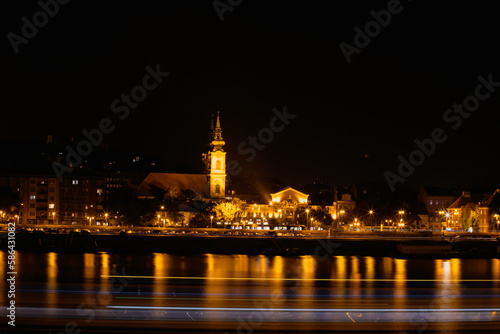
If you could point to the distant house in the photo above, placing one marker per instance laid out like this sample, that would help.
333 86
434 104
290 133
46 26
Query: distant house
436 200
489 212
486 204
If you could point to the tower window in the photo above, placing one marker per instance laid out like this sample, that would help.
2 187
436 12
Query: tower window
217 164
217 188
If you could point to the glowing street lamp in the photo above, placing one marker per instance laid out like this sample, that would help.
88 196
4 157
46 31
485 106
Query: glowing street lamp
211 221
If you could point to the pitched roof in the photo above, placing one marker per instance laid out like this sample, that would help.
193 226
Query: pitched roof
493 200
290 190
473 198
164 181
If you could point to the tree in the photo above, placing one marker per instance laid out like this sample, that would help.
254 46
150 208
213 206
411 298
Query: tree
171 195
228 211
469 216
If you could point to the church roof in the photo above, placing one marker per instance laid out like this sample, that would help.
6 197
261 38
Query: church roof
163 181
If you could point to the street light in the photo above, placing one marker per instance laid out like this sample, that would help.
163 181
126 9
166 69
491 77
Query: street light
106 218
211 220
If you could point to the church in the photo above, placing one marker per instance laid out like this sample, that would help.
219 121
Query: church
211 184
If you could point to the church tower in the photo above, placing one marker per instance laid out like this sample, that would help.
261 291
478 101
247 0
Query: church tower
215 161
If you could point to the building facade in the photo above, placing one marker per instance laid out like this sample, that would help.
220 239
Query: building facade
215 162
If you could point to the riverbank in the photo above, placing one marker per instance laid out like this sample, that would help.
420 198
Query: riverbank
255 245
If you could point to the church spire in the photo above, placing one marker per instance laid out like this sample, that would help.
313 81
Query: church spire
215 160
218 128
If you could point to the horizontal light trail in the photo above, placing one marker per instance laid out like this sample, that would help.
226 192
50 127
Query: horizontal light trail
250 299
329 316
264 295
253 309
306 279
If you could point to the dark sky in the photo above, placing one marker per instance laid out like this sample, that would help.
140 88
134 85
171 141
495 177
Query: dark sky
353 120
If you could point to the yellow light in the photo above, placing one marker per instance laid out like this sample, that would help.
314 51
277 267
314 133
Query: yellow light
307 279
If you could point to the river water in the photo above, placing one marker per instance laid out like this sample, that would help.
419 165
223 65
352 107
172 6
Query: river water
261 289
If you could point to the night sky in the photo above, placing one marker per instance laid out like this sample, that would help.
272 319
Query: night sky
353 120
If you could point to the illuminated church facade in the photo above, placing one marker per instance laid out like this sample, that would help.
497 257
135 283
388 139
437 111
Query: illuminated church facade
287 206
211 184
215 162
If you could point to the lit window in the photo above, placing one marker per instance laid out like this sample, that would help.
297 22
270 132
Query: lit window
431 202
32 197
437 203
51 205
75 182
